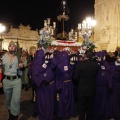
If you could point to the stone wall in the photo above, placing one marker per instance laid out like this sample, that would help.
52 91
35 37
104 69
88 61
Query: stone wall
23 35
107 30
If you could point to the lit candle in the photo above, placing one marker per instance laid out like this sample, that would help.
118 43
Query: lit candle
71 30
45 23
49 30
79 26
54 25
52 32
48 21
40 32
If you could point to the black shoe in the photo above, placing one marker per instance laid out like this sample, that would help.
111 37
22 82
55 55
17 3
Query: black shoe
14 117
35 115
32 101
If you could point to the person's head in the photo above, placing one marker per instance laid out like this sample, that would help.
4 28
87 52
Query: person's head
32 50
89 54
110 59
24 53
12 48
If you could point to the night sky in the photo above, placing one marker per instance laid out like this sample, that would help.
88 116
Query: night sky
34 12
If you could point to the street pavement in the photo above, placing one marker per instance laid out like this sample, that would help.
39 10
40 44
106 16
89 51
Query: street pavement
26 106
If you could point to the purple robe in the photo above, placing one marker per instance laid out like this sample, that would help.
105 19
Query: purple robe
114 95
37 61
100 110
46 93
63 78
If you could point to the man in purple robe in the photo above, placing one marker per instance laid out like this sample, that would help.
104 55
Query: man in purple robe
114 88
64 86
43 77
100 110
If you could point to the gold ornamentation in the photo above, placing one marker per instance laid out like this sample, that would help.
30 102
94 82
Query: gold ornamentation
65 17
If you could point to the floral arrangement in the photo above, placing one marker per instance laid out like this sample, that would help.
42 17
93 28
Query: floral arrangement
87 43
45 38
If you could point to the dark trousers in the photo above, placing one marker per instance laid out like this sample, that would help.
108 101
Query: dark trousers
34 93
85 107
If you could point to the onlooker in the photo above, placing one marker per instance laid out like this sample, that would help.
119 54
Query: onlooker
86 72
24 77
11 81
30 59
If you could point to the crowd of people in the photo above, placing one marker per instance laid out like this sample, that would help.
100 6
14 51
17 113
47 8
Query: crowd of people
59 80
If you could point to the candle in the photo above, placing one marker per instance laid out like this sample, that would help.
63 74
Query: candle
71 30
79 26
45 23
54 25
52 32
48 21
49 30
40 32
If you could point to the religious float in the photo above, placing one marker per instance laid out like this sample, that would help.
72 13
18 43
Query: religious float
52 38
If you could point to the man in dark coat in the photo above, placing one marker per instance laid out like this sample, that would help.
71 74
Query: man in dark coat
86 72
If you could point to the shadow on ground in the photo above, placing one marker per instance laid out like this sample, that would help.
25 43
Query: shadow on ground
26 110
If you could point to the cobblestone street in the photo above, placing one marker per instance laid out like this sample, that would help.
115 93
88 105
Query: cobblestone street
26 107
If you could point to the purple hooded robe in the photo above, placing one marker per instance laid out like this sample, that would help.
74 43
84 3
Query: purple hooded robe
100 110
45 91
63 79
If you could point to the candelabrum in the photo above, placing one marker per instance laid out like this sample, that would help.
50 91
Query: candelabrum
49 29
85 30
47 33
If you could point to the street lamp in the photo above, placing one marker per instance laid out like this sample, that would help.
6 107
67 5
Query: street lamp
85 31
2 29
85 28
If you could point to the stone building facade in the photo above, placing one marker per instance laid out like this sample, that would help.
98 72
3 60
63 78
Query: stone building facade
23 35
107 30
